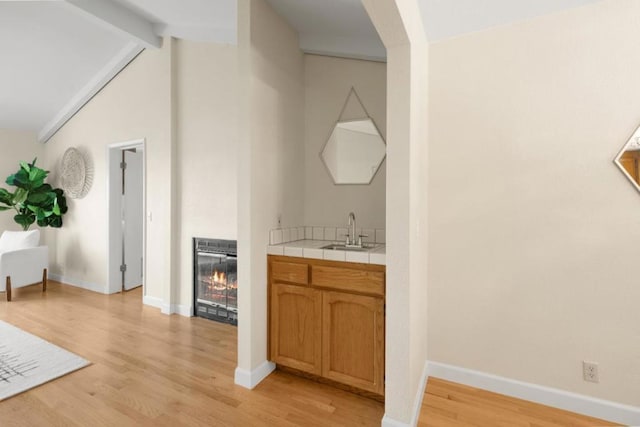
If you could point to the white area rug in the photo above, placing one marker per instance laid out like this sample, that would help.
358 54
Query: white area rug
27 361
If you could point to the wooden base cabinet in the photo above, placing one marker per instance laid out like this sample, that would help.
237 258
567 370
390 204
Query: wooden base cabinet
353 340
326 318
296 327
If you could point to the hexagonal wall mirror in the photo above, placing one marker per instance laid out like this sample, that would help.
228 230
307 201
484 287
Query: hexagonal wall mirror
628 159
354 152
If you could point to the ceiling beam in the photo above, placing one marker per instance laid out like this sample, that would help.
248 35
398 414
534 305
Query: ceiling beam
100 80
118 18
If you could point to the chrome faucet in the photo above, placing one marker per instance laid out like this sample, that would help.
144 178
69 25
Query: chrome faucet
351 238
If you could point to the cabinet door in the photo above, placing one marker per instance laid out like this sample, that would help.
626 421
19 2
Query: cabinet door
296 327
353 340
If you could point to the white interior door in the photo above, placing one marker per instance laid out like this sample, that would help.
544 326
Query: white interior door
132 219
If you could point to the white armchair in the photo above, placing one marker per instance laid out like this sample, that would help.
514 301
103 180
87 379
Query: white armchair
22 261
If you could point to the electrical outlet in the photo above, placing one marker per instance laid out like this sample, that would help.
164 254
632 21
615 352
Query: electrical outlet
590 371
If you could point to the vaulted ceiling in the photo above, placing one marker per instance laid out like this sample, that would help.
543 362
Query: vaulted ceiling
57 54
343 28
49 54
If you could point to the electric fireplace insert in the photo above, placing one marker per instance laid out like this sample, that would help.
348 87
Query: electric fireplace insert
215 279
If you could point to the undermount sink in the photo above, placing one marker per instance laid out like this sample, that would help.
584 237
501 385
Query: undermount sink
343 247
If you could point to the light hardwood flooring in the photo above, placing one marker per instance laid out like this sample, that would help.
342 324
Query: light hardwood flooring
149 369
448 404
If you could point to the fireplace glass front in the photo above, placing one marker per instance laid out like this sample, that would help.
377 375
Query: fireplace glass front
216 279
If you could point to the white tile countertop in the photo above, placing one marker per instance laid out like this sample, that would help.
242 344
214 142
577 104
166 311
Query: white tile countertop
313 249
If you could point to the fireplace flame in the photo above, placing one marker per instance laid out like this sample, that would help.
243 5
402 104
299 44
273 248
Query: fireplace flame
219 277
219 282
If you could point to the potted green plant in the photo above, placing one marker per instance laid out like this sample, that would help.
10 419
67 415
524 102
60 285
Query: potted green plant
33 199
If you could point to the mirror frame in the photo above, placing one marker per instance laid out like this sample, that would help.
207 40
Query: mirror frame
333 128
616 160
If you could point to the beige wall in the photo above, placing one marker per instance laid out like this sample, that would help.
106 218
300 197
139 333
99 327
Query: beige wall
16 146
400 28
533 230
136 104
180 99
207 144
271 176
327 85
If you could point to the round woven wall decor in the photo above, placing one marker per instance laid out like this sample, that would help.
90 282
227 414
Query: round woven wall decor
73 174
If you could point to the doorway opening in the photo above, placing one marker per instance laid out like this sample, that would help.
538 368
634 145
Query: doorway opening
126 212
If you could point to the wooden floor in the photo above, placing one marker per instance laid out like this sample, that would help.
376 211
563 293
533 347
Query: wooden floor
149 369
448 404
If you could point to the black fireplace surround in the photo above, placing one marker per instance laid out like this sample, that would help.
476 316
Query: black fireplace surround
215 279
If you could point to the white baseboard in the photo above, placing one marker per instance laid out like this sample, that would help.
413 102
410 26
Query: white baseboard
152 301
182 310
417 405
581 404
250 379
387 421
102 289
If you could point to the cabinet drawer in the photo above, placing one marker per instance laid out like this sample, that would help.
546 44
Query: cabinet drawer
348 279
290 272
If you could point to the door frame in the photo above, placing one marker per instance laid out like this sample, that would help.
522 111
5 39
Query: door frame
114 214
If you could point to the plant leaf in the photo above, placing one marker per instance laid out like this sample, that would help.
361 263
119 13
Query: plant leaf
40 214
55 222
61 200
20 179
56 208
40 198
37 175
5 197
20 196
44 188
24 220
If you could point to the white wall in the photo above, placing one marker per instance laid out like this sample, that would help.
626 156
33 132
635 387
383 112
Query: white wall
400 28
181 100
207 144
328 82
16 146
136 104
271 176
533 230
